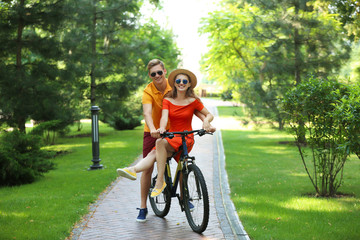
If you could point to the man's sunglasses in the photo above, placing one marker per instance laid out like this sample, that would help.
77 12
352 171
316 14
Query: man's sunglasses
153 74
184 81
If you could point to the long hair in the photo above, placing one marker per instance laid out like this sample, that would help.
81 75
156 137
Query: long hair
189 92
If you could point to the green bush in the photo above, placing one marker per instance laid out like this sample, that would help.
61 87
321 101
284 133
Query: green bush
309 109
347 112
125 115
227 95
21 159
49 130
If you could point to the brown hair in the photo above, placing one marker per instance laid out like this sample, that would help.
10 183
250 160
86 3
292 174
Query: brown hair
189 92
155 62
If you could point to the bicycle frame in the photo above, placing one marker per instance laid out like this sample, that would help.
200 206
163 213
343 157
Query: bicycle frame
193 197
183 160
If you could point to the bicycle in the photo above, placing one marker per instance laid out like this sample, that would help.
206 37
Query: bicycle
193 187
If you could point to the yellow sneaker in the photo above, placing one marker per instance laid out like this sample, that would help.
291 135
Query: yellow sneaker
156 192
125 172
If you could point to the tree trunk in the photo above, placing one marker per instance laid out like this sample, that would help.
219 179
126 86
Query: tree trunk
297 73
20 120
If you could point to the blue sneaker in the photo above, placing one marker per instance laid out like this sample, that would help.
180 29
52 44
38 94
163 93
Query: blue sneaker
142 215
191 207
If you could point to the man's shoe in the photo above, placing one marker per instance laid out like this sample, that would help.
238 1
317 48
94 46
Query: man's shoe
157 191
191 207
125 172
142 214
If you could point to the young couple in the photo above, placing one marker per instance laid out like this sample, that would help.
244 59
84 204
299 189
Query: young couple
165 102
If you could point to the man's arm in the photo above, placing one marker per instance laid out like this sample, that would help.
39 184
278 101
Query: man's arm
199 115
202 117
147 111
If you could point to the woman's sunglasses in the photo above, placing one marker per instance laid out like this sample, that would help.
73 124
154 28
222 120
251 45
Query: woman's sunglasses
184 81
153 74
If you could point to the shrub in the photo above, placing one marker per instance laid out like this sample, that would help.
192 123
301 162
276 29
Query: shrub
48 130
227 95
21 159
347 112
123 115
309 109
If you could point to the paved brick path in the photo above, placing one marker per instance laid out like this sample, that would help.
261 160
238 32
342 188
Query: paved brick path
113 216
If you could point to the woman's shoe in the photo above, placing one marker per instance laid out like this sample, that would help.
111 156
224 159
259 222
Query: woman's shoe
125 172
156 191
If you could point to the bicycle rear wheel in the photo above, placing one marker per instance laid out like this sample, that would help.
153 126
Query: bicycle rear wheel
195 191
160 204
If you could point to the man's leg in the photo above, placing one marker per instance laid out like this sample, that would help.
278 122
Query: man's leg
145 183
145 180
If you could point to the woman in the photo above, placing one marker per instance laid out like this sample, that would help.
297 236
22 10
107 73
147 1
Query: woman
178 107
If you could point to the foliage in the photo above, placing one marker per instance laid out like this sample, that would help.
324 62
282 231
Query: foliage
347 112
313 102
30 51
120 49
57 58
226 95
348 13
48 130
127 115
260 49
21 159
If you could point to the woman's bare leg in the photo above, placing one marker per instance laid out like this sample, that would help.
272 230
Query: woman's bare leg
145 163
163 150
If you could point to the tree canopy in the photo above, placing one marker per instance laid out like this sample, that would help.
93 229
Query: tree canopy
261 49
59 56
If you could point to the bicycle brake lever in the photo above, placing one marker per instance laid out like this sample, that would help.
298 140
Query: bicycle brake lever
201 132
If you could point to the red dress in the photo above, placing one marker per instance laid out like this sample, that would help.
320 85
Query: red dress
180 118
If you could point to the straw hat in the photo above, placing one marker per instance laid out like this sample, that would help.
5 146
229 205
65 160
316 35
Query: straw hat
176 72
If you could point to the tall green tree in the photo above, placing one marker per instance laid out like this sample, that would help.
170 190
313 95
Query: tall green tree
348 12
108 49
29 53
261 49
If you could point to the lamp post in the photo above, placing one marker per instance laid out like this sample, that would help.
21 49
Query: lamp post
95 138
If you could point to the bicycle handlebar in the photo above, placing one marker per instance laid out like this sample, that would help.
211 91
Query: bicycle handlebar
200 132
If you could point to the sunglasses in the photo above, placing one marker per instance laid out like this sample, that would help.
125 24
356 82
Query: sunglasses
184 81
153 74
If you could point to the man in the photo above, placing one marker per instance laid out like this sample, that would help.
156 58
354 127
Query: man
152 106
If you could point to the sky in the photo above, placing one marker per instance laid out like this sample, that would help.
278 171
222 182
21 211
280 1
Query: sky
183 17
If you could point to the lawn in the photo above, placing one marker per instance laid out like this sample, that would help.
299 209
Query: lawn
271 191
49 207
269 186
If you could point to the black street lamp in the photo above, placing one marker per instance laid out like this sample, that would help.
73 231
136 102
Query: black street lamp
95 138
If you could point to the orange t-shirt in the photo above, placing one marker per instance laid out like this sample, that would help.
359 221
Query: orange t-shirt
153 96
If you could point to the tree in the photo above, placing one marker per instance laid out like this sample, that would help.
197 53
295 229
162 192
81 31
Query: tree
348 12
261 49
29 72
112 56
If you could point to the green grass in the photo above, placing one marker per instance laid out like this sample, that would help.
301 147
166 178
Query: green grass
270 188
49 207
268 183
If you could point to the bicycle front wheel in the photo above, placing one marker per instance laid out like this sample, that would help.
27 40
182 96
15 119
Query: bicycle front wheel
160 204
195 193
